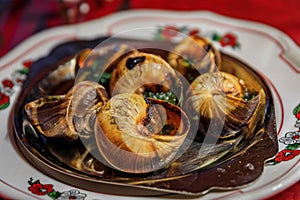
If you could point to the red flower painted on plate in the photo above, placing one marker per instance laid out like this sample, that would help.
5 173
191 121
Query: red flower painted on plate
27 63
194 32
4 101
40 189
169 32
228 40
296 137
298 116
286 154
7 83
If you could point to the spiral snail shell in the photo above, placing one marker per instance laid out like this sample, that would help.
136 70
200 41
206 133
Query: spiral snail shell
48 115
222 103
138 136
193 56
141 72
67 116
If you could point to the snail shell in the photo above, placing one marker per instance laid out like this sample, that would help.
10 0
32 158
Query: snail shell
140 72
87 99
218 100
138 136
67 116
48 115
193 56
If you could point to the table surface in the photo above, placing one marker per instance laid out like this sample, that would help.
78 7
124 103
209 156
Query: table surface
19 19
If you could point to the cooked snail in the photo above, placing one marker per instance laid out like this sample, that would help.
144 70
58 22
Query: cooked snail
67 115
66 71
98 63
222 103
134 131
193 56
48 115
139 136
87 99
145 74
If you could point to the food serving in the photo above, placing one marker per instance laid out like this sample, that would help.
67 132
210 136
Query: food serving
145 116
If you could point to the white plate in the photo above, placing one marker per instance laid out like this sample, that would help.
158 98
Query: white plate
268 50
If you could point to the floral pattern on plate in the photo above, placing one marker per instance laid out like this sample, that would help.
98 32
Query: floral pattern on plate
171 33
7 84
37 188
292 142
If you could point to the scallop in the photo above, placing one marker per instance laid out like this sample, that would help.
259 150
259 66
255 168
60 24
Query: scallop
70 115
222 103
137 135
193 56
145 73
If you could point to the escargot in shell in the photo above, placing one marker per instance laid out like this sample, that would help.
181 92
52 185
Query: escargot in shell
138 136
222 103
67 116
145 74
193 56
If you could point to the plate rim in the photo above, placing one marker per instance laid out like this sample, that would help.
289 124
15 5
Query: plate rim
287 42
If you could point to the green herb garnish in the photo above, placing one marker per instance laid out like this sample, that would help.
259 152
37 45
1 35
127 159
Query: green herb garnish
167 129
105 78
170 97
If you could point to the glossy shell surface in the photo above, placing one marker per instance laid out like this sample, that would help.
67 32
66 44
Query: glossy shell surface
140 136
141 72
220 99
195 55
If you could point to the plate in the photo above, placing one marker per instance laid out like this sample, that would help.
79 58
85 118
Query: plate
235 162
241 40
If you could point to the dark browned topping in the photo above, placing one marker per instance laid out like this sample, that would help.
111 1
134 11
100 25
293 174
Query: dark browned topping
132 62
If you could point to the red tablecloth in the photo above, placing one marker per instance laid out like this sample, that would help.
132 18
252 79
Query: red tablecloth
20 19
